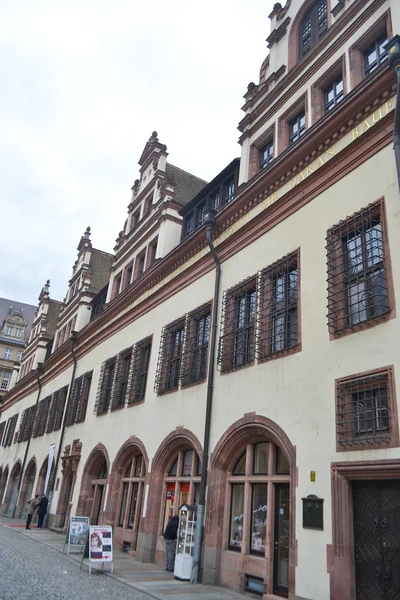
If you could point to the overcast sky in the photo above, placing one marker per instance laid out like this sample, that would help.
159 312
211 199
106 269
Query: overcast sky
83 85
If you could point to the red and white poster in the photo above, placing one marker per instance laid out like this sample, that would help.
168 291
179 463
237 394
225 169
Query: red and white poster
100 543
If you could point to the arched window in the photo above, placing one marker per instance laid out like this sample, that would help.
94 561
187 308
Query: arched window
182 482
260 508
131 494
313 27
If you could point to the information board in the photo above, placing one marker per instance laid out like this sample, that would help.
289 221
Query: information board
100 543
78 531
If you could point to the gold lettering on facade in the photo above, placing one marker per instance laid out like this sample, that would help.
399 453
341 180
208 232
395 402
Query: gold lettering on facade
365 126
355 133
380 115
320 162
331 151
310 170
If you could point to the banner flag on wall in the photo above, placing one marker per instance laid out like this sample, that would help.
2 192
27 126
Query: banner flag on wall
52 451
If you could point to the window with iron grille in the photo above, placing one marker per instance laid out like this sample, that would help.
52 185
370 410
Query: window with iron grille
194 359
121 379
26 424
376 54
170 357
364 410
140 369
314 26
266 154
10 430
78 401
41 414
297 127
104 394
236 344
277 316
84 397
333 94
2 430
357 270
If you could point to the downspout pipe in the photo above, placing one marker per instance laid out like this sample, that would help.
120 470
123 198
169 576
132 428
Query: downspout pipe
207 424
393 49
38 371
74 339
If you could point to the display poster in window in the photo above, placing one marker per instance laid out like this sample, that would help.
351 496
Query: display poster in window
100 543
169 504
184 495
78 531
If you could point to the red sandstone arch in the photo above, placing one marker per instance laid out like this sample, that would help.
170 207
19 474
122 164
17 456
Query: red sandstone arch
87 493
294 31
3 482
251 428
132 446
26 489
12 488
180 439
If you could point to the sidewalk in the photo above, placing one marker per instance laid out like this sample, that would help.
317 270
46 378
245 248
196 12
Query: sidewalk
148 578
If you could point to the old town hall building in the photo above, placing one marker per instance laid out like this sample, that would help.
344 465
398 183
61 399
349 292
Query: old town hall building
259 309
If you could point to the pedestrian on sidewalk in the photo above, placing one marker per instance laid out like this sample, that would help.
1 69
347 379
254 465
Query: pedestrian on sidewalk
170 534
32 504
42 510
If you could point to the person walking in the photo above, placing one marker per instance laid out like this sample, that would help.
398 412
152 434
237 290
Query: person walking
42 510
31 510
170 534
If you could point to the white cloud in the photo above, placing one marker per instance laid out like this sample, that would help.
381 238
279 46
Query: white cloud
84 84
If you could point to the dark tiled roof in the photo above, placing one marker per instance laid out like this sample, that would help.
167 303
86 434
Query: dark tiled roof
100 264
8 307
187 185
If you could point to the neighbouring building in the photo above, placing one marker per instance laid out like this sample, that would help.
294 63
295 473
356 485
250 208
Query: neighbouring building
303 496
15 325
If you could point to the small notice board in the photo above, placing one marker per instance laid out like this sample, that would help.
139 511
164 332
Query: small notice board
78 532
100 545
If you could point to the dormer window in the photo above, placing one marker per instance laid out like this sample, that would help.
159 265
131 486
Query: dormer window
313 27
201 212
214 200
229 190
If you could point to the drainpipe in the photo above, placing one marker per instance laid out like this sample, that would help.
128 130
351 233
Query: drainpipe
209 223
393 50
74 340
38 370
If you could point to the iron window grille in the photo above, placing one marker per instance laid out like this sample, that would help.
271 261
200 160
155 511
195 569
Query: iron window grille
194 359
2 429
375 55
170 357
333 94
236 343
139 371
26 424
104 394
297 127
266 154
277 317
41 416
10 430
314 26
79 399
121 379
357 278
363 411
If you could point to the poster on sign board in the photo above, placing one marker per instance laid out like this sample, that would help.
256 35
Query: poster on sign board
78 531
100 543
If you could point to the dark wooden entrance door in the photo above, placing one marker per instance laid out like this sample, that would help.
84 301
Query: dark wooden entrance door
376 507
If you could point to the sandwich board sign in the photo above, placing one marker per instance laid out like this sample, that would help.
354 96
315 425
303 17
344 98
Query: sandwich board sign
100 545
78 532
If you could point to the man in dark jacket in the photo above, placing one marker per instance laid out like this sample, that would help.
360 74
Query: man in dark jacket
42 510
170 534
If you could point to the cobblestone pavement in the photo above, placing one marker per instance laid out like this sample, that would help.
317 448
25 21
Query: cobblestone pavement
32 571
